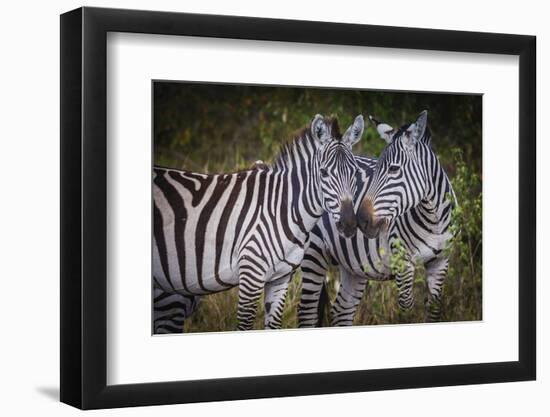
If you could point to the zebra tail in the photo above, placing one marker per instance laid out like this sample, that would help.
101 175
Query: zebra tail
322 307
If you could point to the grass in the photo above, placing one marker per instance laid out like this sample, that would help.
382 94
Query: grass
461 302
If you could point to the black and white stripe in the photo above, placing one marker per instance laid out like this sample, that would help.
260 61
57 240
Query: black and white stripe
170 310
406 199
214 232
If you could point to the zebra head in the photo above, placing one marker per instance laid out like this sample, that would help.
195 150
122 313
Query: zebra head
335 170
400 179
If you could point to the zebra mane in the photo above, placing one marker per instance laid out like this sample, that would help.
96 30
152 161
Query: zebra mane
302 138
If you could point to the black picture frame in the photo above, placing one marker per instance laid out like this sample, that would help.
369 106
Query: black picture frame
84 207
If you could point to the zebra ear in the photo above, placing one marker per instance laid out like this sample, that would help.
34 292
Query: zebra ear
384 130
419 127
319 129
416 130
354 132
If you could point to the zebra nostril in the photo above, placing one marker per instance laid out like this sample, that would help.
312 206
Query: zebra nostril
350 231
347 229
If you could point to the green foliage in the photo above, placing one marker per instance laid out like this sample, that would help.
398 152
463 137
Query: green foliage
219 128
222 128
465 251
398 258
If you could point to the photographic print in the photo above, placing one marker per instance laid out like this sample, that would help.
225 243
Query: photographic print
298 207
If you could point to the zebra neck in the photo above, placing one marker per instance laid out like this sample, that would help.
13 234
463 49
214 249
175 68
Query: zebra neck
432 211
297 165
440 197
299 205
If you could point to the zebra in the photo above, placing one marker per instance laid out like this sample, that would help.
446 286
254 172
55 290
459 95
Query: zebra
405 203
249 228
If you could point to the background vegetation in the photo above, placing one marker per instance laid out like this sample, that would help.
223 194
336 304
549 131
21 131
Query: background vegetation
221 128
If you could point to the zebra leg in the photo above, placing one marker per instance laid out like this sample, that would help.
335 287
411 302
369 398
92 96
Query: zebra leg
405 283
349 296
436 272
275 297
314 270
251 285
170 310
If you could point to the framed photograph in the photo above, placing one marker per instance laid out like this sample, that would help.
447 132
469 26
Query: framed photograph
258 208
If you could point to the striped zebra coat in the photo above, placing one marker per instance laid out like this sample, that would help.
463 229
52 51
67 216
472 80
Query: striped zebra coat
248 229
170 310
404 202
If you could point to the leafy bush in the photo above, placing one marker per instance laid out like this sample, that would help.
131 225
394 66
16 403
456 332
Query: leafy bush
465 275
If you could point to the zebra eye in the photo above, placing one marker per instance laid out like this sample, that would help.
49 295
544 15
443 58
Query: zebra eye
393 168
324 172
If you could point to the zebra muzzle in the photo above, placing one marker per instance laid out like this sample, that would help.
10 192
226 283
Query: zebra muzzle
368 222
347 224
